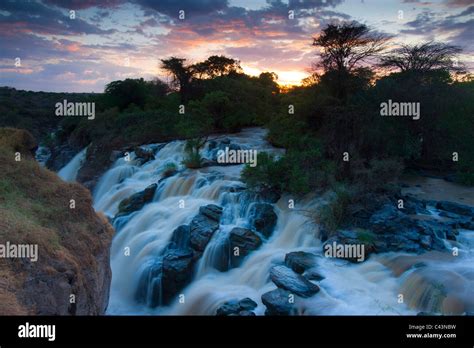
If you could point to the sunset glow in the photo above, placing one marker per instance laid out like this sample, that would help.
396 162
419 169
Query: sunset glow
112 40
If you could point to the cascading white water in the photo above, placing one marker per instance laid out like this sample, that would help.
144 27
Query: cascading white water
70 170
368 288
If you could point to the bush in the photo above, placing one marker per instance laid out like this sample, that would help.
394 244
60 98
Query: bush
334 214
268 175
169 170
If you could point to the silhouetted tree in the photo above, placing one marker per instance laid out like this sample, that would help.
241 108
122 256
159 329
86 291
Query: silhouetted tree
344 49
346 46
216 66
423 57
180 73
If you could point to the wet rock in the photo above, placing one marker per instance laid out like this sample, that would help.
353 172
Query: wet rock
278 302
414 206
143 155
395 231
136 201
243 307
212 211
203 226
300 261
180 237
245 240
263 218
313 275
456 208
178 265
285 278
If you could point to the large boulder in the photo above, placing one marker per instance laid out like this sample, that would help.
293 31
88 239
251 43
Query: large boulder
178 265
243 307
245 240
263 218
287 279
136 201
278 302
300 261
203 226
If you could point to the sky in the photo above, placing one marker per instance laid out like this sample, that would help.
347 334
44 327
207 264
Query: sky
81 45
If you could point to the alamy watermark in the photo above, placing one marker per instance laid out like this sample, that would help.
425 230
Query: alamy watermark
237 156
409 109
345 251
66 108
27 251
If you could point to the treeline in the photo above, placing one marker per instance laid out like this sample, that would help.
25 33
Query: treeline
338 139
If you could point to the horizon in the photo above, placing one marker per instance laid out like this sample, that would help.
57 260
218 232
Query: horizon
45 49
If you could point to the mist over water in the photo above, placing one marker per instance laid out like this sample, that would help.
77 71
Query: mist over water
371 287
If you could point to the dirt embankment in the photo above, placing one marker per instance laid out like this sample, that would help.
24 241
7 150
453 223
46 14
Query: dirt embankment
72 273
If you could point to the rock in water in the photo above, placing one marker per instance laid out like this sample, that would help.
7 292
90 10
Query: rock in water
243 307
180 237
177 272
144 155
245 240
136 201
203 226
278 302
212 211
300 261
263 218
285 278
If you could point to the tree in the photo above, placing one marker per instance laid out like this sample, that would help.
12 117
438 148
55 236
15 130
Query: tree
181 75
216 66
346 46
123 93
344 50
423 58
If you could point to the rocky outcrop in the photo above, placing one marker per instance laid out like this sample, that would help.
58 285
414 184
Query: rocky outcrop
285 278
136 201
412 228
243 307
72 273
456 208
263 218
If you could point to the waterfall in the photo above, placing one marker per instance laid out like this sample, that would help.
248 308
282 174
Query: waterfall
142 237
70 170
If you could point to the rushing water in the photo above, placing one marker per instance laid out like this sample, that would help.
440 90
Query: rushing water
347 289
70 170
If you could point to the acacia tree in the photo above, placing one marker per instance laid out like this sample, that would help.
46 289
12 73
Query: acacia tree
181 75
345 49
346 46
423 58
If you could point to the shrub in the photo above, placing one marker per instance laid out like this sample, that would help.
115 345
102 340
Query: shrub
169 170
334 214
